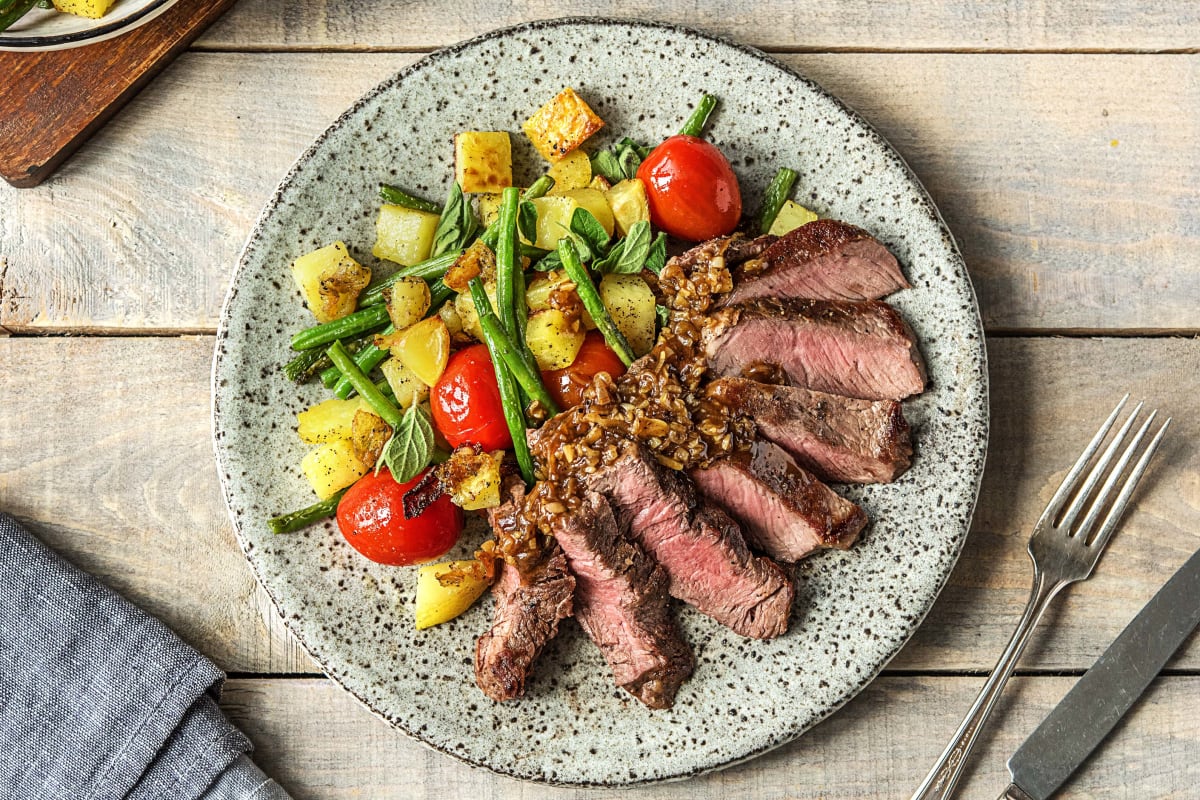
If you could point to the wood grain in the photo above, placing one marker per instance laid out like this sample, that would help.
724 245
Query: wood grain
51 102
1073 200
775 24
318 742
104 451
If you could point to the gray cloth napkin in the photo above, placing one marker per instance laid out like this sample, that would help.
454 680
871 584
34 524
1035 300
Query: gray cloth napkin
99 700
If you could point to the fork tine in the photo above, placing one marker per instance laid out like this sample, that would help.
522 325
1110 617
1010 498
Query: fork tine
1064 490
1114 515
1097 472
1106 492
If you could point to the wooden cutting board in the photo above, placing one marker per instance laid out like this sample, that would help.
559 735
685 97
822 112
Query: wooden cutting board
51 102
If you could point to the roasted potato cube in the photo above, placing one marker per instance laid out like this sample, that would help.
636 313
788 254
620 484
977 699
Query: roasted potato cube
331 467
407 301
561 125
574 171
328 421
446 590
554 339
554 219
631 304
424 348
489 208
92 9
368 434
472 478
478 259
330 280
467 316
483 161
593 200
404 235
454 323
408 388
790 217
537 294
628 203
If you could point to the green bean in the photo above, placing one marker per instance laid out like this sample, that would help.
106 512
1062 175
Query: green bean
366 360
695 123
592 302
501 343
538 188
357 323
398 197
506 259
385 389
302 367
382 406
777 195
10 14
430 269
296 520
439 293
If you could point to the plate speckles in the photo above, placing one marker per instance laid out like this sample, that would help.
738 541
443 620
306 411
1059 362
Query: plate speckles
853 610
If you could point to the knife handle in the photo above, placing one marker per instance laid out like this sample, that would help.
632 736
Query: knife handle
1014 792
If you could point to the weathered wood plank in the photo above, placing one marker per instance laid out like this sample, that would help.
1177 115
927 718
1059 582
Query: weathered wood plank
1069 187
104 451
861 25
318 742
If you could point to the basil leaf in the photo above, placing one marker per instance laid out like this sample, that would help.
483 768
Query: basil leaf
635 248
605 163
456 226
657 257
527 220
411 446
664 315
548 262
629 156
607 263
588 228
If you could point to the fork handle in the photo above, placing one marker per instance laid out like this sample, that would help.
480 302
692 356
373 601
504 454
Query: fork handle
942 780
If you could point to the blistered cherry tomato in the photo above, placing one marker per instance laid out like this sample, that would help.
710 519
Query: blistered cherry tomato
692 190
466 402
371 517
566 385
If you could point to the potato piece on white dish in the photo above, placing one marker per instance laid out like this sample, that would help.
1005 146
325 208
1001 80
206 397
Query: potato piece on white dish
631 305
629 204
331 467
593 200
404 235
483 161
561 125
407 301
791 216
554 339
424 348
574 171
330 280
553 219
408 388
446 590
329 420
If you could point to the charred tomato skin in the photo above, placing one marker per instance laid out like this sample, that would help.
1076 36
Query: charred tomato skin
465 402
566 385
692 189
371 518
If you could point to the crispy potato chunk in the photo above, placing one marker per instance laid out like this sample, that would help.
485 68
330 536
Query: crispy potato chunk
424 348
629 204
478 259
631 304
331 467
472 478
408 388
330 280
483 161
446 590
790 217
561 125
574 171
329 420
407 301
404 235
368 434
554 338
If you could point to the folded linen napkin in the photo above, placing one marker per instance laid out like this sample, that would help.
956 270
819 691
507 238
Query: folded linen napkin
99 700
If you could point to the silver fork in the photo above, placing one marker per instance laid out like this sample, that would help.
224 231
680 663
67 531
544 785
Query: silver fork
1064 550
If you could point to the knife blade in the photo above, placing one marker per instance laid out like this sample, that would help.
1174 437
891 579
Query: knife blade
1101 697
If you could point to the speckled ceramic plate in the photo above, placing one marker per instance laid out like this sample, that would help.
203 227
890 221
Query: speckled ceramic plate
853 609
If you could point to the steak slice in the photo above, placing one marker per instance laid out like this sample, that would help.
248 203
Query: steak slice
621 602
785 511
823 260
858 349
700 547
527 612
838 438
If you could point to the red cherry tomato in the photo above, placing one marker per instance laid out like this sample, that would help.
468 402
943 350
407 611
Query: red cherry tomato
371 517
693 192
566 385
466 402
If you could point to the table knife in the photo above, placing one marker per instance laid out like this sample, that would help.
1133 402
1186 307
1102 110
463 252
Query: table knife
1106 691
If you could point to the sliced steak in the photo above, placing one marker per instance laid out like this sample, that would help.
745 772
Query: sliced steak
700 547
838 438
741 250
823 260
784 510
621 601
858 349
527 612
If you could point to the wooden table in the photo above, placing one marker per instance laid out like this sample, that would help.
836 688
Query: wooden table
1060 143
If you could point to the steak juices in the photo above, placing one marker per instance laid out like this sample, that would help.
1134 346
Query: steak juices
665 482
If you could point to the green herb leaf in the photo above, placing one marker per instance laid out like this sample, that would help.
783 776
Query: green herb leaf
527 220
411 446
457 225
657 257
664 315
587 227
548 262
606 164
634 249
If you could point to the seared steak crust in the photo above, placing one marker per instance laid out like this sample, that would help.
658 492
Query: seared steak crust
823 260
857 349
621 602
700 547
838 438
785 511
